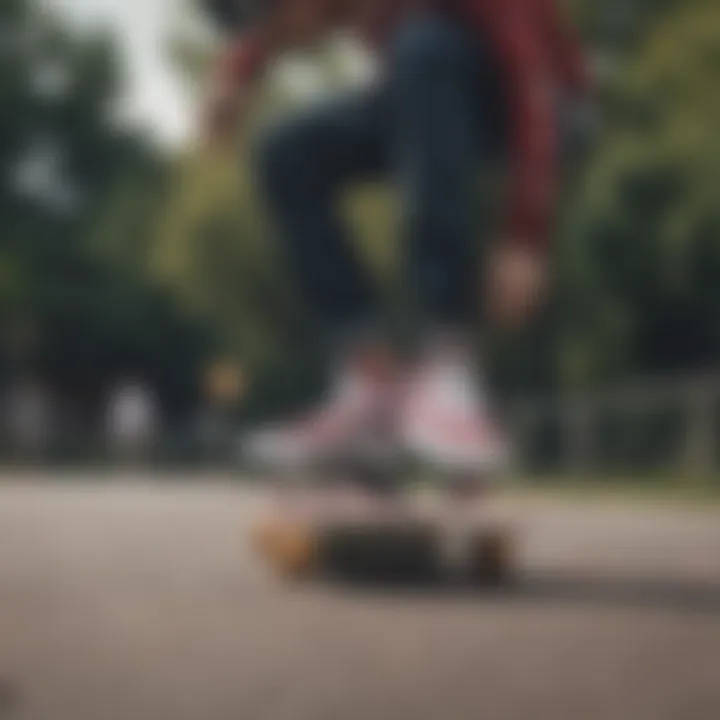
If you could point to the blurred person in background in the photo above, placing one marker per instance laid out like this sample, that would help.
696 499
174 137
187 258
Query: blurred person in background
464 82
132 420
29 418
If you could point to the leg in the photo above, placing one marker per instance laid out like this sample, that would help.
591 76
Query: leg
303 164
443 106
445 110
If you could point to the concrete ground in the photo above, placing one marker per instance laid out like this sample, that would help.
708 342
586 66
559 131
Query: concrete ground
136 599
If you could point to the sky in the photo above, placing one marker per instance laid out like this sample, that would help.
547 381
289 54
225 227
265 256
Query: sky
155 94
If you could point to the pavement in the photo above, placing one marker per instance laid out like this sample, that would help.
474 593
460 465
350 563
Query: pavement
137 598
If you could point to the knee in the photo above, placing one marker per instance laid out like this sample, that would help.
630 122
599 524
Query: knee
427 45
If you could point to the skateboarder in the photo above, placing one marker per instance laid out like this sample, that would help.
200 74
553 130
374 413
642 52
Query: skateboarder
464 82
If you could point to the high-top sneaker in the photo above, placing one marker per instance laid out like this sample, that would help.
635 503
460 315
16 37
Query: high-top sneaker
445 419
353 420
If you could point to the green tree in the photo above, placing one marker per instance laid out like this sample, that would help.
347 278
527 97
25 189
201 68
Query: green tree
646 227
79 196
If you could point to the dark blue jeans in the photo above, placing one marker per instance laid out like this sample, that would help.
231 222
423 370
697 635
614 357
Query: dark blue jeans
426 127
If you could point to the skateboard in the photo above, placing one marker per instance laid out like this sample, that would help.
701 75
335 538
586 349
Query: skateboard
372 525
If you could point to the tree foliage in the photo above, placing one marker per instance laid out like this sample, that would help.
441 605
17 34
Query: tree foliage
79 196
115 261
646 223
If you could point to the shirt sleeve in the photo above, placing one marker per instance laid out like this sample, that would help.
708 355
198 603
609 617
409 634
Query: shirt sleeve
530 91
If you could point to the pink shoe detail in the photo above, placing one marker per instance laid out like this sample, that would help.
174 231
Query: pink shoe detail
353 417
445 420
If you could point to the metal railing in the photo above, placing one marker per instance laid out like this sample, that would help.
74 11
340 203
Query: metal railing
668 427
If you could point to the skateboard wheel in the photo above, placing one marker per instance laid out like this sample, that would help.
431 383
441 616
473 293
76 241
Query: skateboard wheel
290 549
492 560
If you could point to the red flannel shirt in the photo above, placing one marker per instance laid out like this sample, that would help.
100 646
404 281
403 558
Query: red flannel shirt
541 59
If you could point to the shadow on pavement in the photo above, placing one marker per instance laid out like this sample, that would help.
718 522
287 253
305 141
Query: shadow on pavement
9 698
672 595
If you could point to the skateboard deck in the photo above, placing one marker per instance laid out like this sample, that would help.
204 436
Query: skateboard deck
350 533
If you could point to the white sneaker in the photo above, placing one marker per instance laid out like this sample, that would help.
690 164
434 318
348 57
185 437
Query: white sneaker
445 420
347 424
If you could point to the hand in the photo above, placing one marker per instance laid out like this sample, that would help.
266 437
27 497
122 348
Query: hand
223 112
231 85
220 120
515 283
